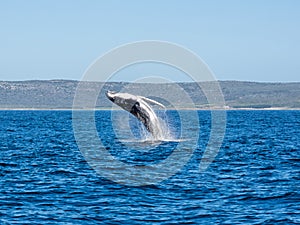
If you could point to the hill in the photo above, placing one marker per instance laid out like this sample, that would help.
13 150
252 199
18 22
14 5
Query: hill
59 94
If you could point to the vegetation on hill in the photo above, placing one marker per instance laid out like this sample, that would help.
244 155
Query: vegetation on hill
57 94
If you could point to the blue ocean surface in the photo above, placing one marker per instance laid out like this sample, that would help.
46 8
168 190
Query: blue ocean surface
254 179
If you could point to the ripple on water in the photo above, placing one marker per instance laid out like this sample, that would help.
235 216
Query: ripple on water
253 180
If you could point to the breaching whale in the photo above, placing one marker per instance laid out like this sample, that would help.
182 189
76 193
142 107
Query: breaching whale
140 108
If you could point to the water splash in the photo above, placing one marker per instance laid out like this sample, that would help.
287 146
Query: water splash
161 128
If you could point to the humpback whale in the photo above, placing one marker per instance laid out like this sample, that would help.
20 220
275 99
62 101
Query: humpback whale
140 108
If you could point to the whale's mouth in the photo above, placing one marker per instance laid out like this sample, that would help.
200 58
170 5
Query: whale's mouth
111 95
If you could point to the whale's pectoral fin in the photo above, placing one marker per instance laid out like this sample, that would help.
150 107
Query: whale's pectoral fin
136 110
151 101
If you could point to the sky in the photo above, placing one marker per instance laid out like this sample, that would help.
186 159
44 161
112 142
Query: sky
247 40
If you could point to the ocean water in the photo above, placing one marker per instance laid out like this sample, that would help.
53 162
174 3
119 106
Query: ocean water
254 179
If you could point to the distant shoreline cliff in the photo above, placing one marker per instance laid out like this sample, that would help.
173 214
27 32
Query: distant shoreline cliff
59 94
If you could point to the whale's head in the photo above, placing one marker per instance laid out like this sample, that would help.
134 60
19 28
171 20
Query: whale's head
111 95
124 100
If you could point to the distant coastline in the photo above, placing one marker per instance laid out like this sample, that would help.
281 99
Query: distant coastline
238 95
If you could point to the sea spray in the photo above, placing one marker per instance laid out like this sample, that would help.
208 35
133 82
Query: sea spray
162 128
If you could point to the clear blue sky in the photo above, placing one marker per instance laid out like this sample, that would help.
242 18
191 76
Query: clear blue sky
240 40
